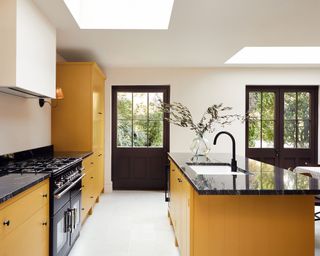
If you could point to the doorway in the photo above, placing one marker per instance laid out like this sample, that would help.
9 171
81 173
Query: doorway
282 129
140 137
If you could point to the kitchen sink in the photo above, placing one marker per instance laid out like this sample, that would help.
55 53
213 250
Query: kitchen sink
214 169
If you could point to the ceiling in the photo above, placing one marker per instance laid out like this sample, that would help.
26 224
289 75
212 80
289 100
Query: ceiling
202 33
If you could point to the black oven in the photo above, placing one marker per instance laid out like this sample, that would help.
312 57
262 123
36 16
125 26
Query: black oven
65 210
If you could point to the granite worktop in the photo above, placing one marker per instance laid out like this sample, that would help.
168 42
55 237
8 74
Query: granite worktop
73 154
256 178
14 184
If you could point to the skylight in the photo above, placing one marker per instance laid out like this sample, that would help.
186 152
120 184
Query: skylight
276 55
121 14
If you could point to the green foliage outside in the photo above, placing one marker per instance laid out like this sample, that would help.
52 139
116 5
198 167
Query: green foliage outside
140 122
296 119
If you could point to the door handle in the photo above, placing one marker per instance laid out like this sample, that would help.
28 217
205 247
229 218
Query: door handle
277 152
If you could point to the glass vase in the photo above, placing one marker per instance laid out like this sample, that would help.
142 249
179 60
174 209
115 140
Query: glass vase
200 146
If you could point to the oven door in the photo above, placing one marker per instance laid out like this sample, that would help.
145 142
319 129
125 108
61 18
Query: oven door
75 217
61 227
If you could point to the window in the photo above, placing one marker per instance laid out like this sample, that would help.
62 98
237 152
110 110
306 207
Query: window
262 119
296 120
139 120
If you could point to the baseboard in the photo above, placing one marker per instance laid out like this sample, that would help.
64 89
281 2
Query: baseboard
108 187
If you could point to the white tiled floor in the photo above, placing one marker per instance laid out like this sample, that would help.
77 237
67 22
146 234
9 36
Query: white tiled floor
127 224
133 224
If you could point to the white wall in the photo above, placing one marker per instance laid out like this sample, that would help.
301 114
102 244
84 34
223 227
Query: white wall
23 124
197 89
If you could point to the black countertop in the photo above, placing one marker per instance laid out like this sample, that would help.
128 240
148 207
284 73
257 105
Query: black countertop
13 184
256 178
73 154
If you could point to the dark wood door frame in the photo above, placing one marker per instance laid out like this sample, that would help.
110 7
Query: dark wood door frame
265 153
165 89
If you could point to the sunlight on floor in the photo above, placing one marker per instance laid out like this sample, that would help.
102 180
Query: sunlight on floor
127 223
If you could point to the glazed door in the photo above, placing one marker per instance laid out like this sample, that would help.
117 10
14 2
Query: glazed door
140 137
283 124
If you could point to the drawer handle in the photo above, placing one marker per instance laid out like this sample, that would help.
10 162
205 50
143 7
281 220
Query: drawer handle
91 163
6 223
100 155
91 177
44 223
45 195
91 196
180 180
100 113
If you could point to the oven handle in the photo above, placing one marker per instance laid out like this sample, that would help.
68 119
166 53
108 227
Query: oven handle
58 196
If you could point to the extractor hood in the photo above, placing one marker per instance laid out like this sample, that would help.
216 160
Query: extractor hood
28 50
23 93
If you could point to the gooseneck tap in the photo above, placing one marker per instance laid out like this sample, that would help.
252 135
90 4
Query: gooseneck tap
233 160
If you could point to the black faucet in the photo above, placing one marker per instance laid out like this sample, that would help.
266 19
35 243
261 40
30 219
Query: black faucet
233 160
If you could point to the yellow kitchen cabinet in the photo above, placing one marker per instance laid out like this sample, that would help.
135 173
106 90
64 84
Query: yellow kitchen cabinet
229 225
179 208
25 223
78 122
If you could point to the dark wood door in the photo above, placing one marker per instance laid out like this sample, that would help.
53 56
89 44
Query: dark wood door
140 137
283 126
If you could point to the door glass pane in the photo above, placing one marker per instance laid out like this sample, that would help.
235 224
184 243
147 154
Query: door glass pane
255 104
303 105
289 135
154 112
124 133
290 105
303 134
267 134
140 106
140 133
124 105
268 105
254 134
155 134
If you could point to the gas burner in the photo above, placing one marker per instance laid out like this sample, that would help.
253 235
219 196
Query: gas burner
38 165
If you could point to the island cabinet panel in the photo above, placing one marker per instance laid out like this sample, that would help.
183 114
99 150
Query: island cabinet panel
24 220
253 225
78 122
179 208
239 225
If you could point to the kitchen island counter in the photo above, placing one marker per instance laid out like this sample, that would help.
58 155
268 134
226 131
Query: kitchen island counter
261 210
257 178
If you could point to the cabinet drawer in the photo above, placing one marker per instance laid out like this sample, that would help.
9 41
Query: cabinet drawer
29 239
19 209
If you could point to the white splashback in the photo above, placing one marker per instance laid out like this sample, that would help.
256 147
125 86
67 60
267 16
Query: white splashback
23 124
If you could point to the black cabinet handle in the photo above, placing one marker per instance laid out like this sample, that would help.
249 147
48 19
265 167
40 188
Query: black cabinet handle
92 163
45 195
180 180
91 196
6 223
44 224
100 155
100 113
91 177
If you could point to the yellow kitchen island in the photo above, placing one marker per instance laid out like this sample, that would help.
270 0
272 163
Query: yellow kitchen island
261 210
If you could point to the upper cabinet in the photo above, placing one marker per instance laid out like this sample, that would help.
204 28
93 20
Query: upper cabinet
28 50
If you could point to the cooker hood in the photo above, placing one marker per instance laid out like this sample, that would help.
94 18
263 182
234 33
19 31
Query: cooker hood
23 93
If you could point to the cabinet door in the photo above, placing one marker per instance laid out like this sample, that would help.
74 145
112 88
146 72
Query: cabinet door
31 238
173 194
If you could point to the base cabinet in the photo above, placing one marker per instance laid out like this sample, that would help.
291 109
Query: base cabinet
179 209
239 225
92 185
27 230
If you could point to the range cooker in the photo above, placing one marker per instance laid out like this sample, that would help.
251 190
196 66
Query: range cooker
65 197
